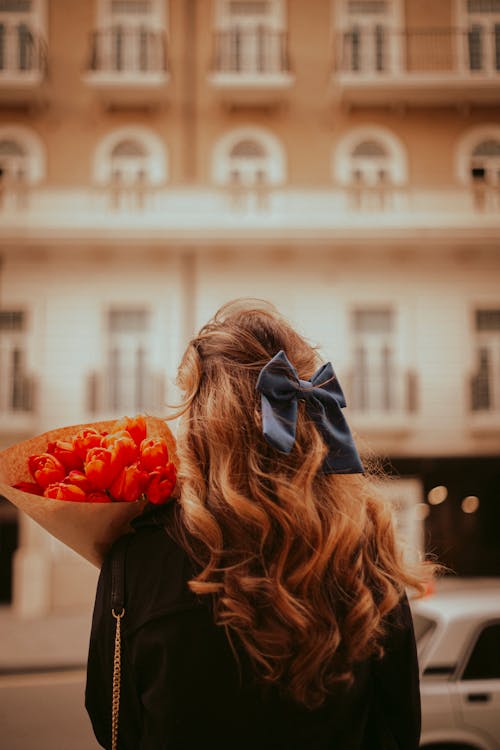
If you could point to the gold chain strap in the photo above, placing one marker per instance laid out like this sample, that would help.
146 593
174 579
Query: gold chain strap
115 708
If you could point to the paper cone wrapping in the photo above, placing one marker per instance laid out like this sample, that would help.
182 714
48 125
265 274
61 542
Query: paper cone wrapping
88 528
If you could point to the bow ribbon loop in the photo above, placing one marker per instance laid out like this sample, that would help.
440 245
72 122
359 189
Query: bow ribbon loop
281 389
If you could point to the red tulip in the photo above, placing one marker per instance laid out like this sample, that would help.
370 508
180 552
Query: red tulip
154 453
135 426
123 447
62 491
79 479
161 484
46 469
98 497
101 467
85 440
129 484
30 487
66 453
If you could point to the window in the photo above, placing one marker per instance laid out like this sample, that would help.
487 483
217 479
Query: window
21 50
483 35
484 662
22 164
370 162
129 347
16 387
485 162
249 158
250 37
370 42
373 380
130 37
478 166
130 163
486 379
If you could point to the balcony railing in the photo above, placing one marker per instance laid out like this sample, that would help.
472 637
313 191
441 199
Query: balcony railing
18 396
377 393
251 66
22 53
104 394
128 51
421 62
259 51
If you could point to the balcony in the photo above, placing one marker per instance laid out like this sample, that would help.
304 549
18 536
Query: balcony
23 67
251 67
17 406
108 397
433 67
484 401
382 403
128 67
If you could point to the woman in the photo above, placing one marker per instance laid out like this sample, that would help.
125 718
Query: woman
266 607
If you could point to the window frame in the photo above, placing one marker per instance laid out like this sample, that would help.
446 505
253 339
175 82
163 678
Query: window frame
158 173
221 154
341 165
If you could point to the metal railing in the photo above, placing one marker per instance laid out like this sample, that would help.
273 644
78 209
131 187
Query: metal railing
384 52
123 50
21 52
104 393
393 392
483 396
19 395
254 51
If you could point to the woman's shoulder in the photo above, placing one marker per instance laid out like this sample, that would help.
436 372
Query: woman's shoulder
157 568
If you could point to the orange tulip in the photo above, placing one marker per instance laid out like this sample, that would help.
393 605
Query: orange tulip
85 440
161 484
129 484
101 467
123 447
135 426
46 469
80 480
62 491
154 453
66 453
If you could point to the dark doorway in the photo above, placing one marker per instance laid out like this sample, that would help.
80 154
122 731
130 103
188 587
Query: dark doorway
9 536
466 542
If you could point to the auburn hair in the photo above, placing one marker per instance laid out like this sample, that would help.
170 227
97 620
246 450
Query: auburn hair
302 567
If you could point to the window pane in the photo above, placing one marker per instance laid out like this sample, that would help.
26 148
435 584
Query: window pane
249 8
129 321
369 148
483 6
11 320
475 36
484 663
15 6
129 148
248 150
131 6
488 320
487 148
372 321
367 6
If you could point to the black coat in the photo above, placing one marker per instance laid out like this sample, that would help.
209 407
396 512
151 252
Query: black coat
181 687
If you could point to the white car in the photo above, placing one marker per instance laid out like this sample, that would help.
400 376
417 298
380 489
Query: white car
458 638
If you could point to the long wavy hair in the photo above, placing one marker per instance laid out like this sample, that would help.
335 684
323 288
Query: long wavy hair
302 567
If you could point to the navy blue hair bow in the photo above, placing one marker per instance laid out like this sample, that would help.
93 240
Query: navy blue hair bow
281 388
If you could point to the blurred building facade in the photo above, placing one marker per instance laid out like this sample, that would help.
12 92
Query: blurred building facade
340 158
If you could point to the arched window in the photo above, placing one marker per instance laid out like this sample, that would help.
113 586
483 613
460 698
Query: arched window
485 161
371 162
22 164
130 162
249 157
478 166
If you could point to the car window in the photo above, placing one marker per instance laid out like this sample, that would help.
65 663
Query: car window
484 661
423 627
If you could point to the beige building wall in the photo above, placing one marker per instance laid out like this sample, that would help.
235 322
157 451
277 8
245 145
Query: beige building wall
420 243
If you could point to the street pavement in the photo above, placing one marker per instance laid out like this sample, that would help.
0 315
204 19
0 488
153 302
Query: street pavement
42 682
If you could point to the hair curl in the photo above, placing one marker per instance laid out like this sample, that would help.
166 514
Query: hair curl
302 567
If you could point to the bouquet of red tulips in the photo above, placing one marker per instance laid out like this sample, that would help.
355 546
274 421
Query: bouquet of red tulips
101 467
85 483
